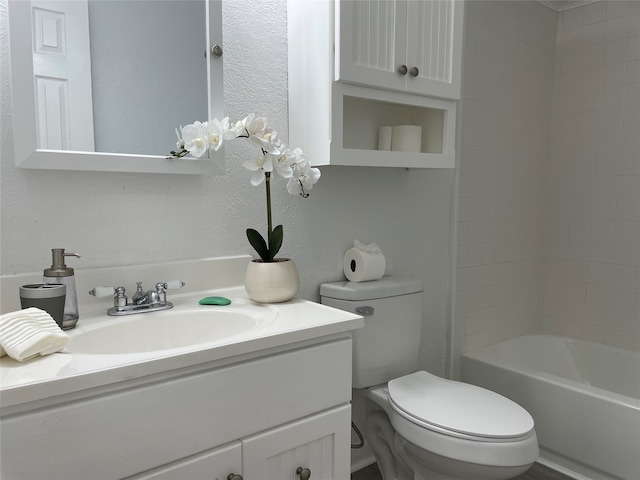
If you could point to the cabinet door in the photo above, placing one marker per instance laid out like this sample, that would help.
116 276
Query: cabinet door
371 35
319 444
216 464
434 47
407 45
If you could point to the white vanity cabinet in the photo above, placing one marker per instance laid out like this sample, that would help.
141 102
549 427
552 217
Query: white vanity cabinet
280 454
413 46
344 81
259 415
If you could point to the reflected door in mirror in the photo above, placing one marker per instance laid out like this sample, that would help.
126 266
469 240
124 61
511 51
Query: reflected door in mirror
62 75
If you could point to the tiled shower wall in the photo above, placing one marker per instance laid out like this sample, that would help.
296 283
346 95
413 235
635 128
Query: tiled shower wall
506 109
592 218
549 196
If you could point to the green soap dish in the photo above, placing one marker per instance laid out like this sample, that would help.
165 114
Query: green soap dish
214 301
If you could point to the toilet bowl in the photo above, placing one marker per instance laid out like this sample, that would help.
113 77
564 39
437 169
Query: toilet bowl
443 429
421 426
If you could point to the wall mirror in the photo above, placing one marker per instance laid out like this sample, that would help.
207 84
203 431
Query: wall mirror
101 85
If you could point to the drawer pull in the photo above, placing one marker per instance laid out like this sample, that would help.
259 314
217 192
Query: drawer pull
304 473
233 476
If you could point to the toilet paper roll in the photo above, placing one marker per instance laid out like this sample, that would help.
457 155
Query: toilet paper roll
384 138
406 138
362 266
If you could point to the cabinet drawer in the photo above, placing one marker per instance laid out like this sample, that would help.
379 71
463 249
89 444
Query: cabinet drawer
131 431
214 464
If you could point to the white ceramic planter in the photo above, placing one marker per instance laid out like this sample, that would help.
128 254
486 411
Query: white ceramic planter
272 282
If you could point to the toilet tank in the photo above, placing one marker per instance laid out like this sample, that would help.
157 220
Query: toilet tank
388 345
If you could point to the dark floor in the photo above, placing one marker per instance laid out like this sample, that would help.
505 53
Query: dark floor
536 472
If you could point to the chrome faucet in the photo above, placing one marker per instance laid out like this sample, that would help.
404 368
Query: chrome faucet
159 295
150 301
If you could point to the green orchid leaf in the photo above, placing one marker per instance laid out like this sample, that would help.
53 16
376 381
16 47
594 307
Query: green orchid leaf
258 243
275 241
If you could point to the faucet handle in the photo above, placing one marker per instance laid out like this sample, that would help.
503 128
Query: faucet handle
101 292
171 284
118 294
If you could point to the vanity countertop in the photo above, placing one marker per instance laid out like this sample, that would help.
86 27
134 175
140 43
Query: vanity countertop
65 372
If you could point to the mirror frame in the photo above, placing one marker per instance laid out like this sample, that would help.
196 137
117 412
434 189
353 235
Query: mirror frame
28 155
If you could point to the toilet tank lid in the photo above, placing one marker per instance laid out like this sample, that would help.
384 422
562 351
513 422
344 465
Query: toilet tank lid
385 287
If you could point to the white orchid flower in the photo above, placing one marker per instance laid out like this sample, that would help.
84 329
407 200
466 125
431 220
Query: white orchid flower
286 159
311 178
195 139
248 126
259 165
216 130
233 131
255 125
303 179
267 140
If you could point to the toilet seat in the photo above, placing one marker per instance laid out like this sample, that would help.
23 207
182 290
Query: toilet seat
458 409
427 411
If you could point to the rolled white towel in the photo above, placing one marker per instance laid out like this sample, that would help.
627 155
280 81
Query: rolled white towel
30 332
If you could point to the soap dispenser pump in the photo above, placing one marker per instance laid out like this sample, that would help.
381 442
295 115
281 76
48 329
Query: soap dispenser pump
60 273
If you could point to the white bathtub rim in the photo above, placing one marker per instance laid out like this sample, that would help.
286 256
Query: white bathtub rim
557 380
564 382
574 470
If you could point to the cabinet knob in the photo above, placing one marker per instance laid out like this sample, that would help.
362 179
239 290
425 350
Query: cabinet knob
304 473
403 70
233 476
414 72
216 50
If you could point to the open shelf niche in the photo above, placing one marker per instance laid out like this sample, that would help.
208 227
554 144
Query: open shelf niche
359 112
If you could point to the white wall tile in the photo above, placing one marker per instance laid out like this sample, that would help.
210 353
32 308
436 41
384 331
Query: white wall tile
627 232
616 52
592 56
604 231
634 47
618 9
595 12
570 19
633 72
618 28
589 197
593 34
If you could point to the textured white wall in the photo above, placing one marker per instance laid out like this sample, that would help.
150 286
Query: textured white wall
120 219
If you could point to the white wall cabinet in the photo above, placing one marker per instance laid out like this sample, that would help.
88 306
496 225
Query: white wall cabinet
259 417
344 82
413 46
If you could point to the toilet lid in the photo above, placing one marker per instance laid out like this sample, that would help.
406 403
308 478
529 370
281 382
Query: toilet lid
458 407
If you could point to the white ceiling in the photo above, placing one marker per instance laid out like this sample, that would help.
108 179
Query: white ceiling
560 5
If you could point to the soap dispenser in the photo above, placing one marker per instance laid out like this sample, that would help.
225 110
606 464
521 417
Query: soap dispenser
60 273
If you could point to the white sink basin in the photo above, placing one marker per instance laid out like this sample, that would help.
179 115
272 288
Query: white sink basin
169 329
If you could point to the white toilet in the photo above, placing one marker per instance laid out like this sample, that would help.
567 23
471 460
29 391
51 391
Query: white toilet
425 427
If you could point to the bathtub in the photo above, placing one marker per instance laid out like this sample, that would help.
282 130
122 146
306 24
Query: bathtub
583 396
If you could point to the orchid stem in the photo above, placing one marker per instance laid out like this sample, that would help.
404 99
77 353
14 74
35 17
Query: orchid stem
267 182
